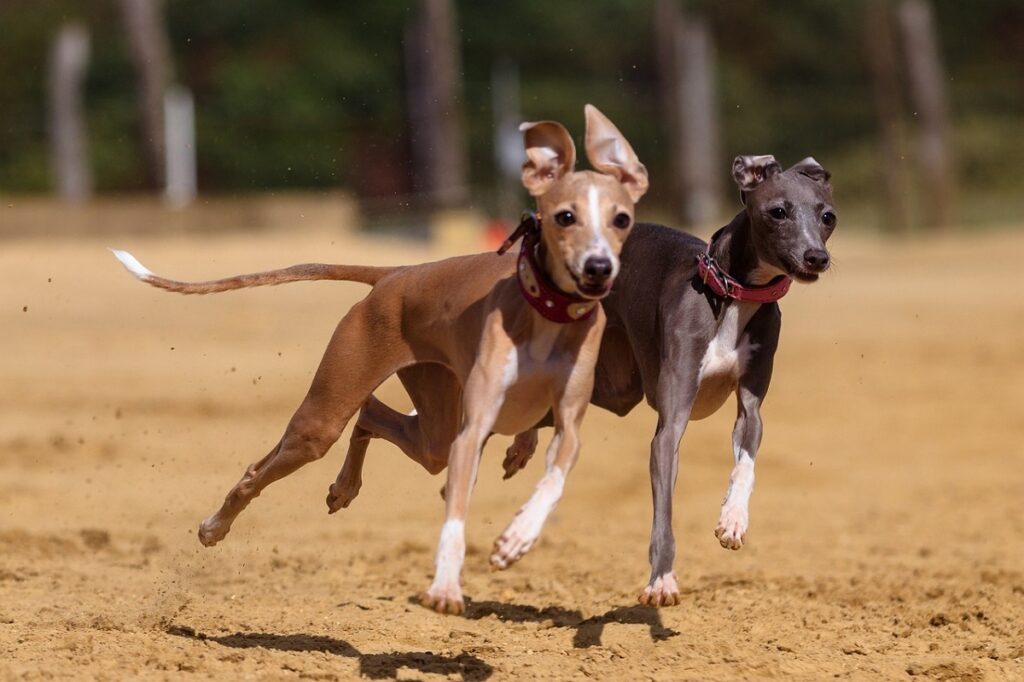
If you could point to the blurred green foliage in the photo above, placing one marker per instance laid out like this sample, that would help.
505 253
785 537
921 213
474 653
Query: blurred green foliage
310 93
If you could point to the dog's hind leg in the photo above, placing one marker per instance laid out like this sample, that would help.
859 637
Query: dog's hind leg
519 452
425 436
350 478
675 394
353 366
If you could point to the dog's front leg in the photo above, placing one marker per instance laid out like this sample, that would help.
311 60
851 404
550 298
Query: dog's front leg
746 437
563 451
521 534
483 398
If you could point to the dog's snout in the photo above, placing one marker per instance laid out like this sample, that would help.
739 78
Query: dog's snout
597 269
816 259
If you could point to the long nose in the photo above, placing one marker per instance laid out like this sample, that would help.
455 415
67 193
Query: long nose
597 269
816 259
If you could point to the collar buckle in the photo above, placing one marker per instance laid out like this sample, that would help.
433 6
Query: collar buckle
529 226
724 285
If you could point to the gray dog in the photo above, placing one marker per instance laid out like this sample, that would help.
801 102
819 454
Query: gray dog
689 323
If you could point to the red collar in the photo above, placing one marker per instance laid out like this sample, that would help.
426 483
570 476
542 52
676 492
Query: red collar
725 286
537 288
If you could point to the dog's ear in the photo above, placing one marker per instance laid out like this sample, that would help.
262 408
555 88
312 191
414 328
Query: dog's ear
550 154
609 152
751 171
813 170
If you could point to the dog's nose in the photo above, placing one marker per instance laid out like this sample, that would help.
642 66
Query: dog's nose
816 259
597 269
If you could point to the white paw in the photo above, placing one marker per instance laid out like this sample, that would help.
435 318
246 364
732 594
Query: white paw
444 597
732 526
662 591
213 530
517 539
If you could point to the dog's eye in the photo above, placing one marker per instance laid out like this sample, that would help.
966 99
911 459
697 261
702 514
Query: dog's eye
565 218
778 213
621 220
829 218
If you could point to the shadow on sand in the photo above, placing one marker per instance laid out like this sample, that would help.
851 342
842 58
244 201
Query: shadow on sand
588 630
469 667
374 666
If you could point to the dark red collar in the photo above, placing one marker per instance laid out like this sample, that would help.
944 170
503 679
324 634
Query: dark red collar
725 286
538 289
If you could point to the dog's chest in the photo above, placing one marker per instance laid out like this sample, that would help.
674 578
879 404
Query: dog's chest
534 367
724 360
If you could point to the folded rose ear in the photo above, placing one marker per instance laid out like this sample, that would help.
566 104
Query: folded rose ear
813 170
550 154
609 152
751 171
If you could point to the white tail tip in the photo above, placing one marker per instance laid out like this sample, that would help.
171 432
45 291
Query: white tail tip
132 264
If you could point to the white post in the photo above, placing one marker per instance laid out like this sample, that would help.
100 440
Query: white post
698 118
68 63
180 146
508 141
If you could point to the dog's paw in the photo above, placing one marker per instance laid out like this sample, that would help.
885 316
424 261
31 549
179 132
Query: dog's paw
662 591
517 540
444 598
519 453
212 531
341 496
732 527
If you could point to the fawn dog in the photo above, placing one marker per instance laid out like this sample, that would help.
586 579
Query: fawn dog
515 338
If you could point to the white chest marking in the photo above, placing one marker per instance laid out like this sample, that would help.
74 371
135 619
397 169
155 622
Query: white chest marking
730 349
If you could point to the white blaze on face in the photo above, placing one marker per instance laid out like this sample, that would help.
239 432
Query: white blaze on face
597 244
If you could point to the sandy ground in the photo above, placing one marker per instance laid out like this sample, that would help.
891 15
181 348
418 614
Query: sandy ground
887 536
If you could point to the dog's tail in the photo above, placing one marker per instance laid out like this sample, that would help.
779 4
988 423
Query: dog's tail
367 274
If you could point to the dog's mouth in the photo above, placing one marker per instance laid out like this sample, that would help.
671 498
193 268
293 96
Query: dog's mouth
803 274
589 289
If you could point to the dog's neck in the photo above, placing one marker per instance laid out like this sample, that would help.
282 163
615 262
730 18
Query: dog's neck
733 247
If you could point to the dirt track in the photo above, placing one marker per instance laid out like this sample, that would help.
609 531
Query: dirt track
887 536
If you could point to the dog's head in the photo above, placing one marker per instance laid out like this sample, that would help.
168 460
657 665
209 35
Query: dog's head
587 215
791 213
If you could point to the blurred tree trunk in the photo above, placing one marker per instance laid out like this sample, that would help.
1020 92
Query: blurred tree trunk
143 21
927 89
883 61
667 18
686 65
435 113
68 62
